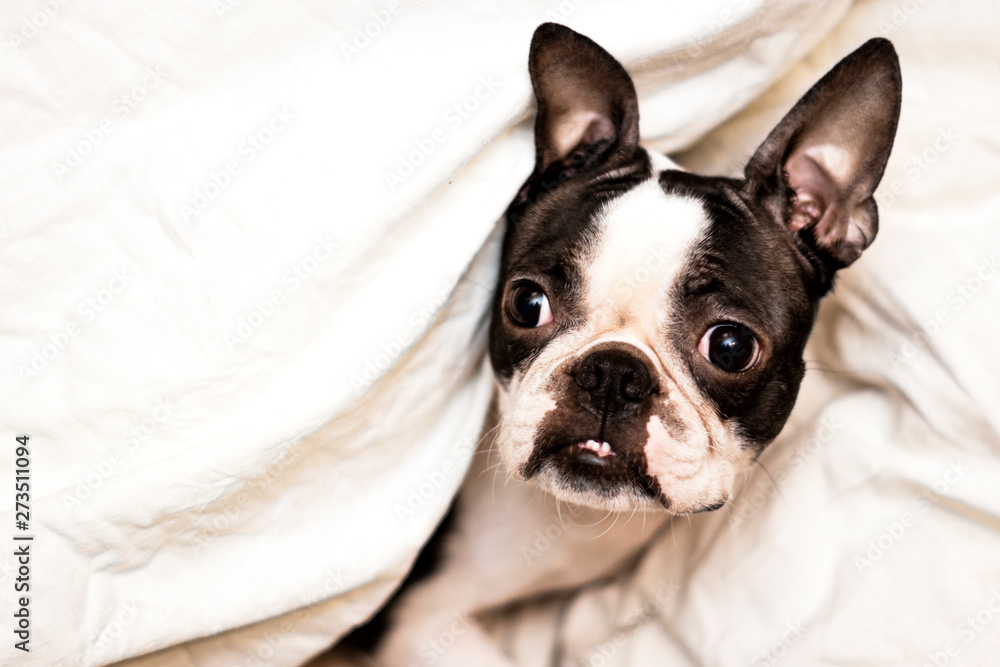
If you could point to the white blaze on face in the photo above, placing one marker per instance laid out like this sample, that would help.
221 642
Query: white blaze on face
641 246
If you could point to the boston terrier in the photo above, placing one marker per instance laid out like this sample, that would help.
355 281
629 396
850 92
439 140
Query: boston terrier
647 331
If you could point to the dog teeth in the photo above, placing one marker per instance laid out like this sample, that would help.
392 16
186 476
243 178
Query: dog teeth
599 448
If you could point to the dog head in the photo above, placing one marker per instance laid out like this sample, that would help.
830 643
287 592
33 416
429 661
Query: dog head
649 323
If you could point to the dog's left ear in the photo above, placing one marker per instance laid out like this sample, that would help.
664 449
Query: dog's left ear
819 168
587 112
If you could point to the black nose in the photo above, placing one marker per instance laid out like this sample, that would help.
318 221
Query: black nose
612 383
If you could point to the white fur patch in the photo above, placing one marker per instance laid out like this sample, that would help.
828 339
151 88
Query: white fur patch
642 243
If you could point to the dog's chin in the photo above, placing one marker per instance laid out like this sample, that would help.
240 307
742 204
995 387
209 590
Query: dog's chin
622 501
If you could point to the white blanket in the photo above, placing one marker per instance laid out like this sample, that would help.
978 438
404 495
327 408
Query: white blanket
227 226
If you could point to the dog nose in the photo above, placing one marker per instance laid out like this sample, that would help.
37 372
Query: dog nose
613 382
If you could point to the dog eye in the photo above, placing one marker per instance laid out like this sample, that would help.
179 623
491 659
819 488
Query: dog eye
528 305
729 346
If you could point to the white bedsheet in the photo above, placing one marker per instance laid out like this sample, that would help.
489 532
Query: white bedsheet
227 226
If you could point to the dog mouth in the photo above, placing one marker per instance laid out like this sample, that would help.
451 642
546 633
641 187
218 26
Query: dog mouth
588 457
586 452
594 465
596 459
596 451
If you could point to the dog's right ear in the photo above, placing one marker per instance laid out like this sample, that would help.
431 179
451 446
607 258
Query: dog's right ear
818 169
587 112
